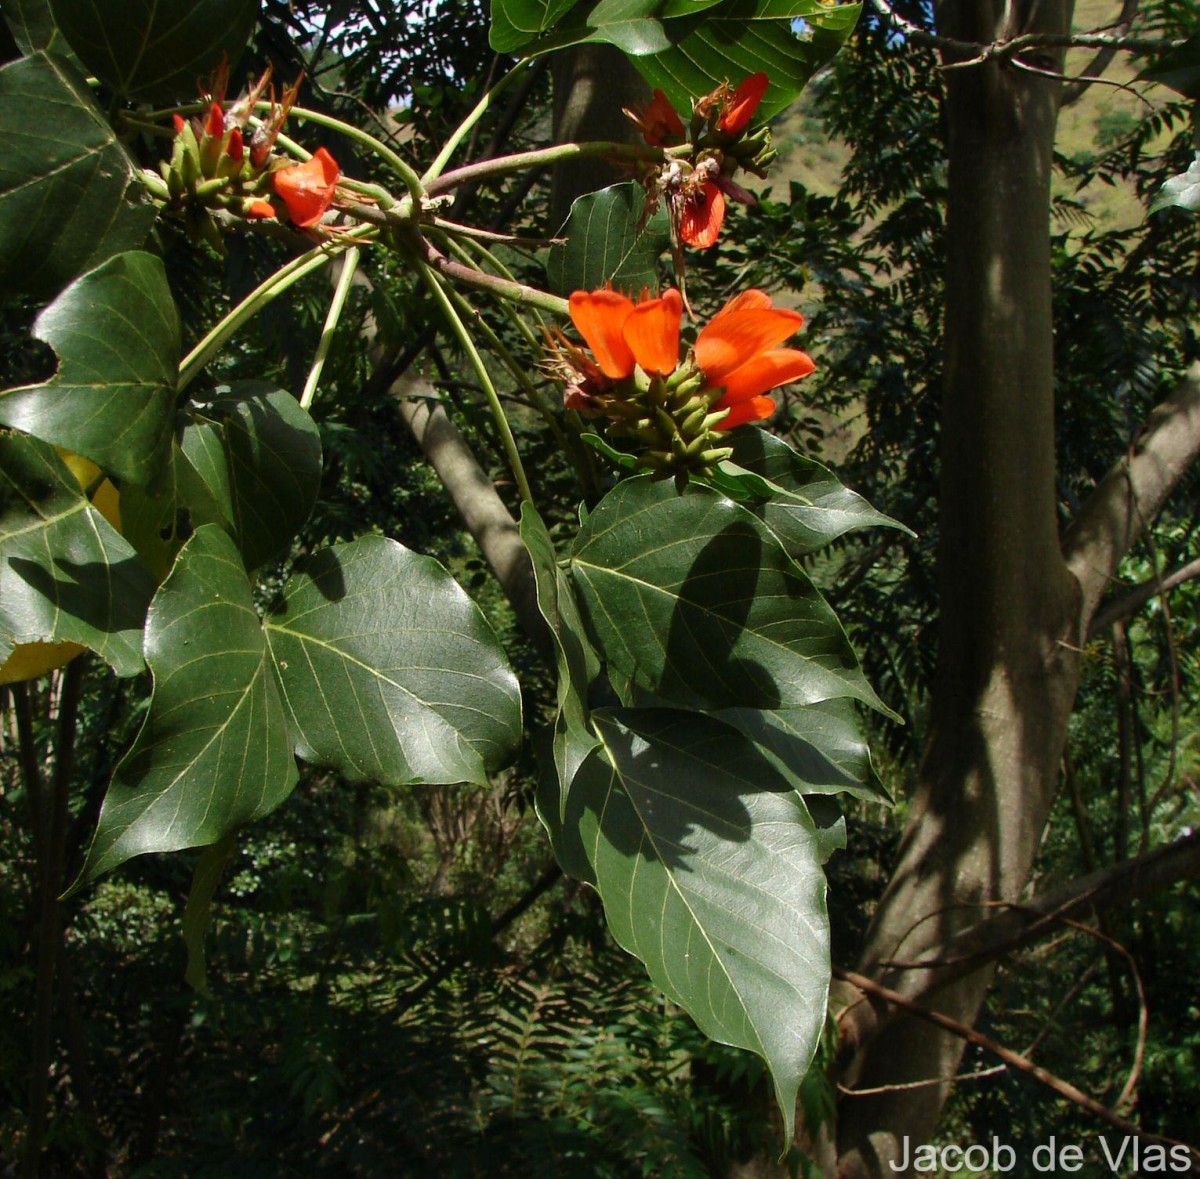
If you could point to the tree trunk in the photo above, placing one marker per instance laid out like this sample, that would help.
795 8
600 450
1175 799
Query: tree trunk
592 83
1009 613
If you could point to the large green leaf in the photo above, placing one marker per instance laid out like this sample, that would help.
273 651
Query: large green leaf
694 599
259 455
517 22
709 868
575 661
608 243
538 25
214 751
737 39
65 573
389 671
154 49
64 180
819 749
116 333
811 508
158 520
33 27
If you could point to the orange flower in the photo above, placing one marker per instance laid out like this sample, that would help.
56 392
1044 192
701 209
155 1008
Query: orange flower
701 214
738 351
623 334
307 189
739 108
658 121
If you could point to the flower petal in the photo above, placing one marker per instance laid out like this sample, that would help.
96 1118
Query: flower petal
730 340
740 108
701 217
652 332
765 372
599 317
751 300
752 410
660 123
307 189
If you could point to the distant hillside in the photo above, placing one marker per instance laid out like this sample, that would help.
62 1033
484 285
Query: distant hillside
1095 122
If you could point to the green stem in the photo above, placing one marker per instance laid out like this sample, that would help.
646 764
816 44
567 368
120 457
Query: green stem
464 128
434 282
503 288
542 157
192 364
349 266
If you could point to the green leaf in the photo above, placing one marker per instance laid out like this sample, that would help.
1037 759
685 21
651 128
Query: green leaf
64 180
33 28
630 25
158 520
810 507
259 455
517 22
389 671
819 748
214 752
65 573
606 243
747 36
155 49
116 333
710 873
692 597
575 661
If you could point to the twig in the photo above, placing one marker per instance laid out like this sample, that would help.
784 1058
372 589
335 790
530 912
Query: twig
1013 1059
925 1084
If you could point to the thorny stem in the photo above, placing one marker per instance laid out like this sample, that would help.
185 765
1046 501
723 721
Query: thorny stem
192 364
464 128
349 266
434 282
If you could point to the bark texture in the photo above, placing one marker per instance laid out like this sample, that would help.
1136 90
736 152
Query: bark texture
1010 610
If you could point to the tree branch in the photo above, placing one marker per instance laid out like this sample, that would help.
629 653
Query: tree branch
1135 597
861 1020
1013 1059
474 495
1007 47
1133 492
1103 57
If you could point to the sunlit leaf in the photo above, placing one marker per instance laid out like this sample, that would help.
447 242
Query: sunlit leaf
820 748
810 507
709 868
744 37
64 180
607 243
155 48
116 333
389 671
65 573
517 22
694 599
214 752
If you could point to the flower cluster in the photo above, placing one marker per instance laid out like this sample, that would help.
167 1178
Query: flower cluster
696 187
221 161
677 409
